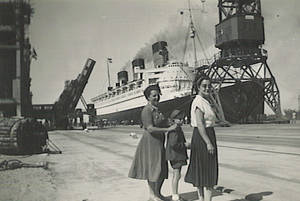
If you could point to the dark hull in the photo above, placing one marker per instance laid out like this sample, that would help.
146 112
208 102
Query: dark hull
243 102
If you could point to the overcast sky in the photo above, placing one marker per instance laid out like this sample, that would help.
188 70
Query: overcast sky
67 32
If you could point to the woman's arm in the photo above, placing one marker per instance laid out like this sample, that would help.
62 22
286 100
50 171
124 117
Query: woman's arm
148 124
157 130
201 128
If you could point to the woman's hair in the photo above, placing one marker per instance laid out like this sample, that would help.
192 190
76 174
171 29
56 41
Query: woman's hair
198 80
148 90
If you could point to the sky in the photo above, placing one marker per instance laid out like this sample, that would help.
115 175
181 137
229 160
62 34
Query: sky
65 33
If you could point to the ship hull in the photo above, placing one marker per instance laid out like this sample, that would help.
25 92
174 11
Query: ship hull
133 116
241 103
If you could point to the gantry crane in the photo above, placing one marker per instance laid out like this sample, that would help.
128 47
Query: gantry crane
240 72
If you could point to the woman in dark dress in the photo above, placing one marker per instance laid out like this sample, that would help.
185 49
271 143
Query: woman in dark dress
149 162
203 167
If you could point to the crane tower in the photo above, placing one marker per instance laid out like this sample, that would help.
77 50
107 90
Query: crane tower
240 71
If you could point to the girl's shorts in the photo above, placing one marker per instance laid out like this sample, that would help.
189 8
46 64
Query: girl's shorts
178 164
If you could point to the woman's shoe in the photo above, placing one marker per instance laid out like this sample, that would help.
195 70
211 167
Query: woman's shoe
157 199
179 199
163 198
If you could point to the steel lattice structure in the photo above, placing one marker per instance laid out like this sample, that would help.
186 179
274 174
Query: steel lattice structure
241 64
250 67
229 8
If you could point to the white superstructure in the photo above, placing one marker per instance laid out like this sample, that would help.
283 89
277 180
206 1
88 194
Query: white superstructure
174 79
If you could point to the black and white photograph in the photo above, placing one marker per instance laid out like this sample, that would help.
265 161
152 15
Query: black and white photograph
149 100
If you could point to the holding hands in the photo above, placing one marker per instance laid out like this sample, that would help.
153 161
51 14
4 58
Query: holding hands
172 127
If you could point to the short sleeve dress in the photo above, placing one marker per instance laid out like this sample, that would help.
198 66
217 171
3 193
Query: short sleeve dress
203 168
150 162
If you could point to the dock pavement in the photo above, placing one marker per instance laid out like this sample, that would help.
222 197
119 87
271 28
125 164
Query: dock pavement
256 162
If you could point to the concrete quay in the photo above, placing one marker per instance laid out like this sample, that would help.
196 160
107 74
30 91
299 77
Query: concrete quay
257 162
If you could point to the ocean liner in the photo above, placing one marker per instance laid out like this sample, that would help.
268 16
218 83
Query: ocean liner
241 78
125 101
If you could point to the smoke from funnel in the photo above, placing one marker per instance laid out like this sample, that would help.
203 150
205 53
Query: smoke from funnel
176 34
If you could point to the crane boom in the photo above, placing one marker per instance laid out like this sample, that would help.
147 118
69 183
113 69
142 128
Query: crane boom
69 98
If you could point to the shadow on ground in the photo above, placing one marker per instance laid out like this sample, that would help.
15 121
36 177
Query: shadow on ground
220 190
255 196
190 196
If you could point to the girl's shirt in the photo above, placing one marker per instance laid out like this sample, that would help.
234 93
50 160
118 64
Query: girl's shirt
176 149
205 107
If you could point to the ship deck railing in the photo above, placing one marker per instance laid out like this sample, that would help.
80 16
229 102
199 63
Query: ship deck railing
119 90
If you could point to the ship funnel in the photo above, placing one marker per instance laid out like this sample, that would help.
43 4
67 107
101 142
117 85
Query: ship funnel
160 54
123 77
137 64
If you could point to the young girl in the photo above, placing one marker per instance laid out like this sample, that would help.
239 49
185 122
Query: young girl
176 151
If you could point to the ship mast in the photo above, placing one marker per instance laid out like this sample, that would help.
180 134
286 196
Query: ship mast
193 30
